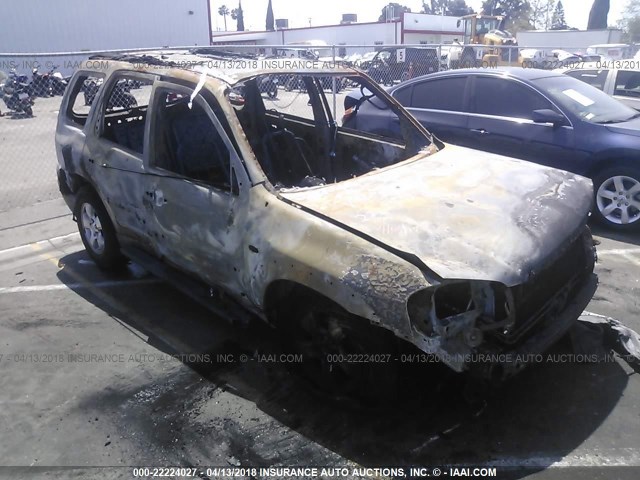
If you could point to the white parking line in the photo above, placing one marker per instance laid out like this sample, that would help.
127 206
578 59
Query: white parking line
75 286
618 251
50 241
631 259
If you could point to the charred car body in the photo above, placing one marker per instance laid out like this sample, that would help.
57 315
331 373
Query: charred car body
344 239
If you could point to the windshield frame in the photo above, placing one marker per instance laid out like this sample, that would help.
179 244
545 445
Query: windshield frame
417 139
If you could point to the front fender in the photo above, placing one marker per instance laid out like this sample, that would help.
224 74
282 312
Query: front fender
299 247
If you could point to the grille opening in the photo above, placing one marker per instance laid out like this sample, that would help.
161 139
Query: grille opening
452 300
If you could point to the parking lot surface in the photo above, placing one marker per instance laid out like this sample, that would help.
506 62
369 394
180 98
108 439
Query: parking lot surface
99 370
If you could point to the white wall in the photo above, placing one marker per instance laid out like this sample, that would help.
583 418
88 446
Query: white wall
72 25
577 40
354 34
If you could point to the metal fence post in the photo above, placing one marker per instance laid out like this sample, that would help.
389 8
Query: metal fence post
333 49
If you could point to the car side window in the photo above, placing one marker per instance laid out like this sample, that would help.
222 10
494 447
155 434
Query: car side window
187 142
507 98
125 111
81 97
627 84
595 78
403 95
441 94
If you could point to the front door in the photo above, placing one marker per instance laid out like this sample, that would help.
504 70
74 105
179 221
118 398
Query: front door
196 189
501 122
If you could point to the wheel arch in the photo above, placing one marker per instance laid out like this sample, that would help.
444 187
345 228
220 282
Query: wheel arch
611 158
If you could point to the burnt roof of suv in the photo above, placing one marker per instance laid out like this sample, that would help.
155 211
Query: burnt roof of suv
231 67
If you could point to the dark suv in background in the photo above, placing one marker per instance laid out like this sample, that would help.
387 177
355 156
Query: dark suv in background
399 64
535 115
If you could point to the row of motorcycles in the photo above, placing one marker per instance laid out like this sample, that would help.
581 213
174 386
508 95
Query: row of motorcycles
18 93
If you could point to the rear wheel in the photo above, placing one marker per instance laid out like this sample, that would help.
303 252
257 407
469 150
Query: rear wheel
97 231
617 198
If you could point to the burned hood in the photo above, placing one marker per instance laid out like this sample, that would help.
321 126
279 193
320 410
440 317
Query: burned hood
464 213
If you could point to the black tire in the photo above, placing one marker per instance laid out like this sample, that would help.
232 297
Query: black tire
104 251
334 344
28 111
621 211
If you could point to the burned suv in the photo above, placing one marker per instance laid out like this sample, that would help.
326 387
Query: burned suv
347 241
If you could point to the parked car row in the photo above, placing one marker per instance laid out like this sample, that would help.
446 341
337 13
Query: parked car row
540 116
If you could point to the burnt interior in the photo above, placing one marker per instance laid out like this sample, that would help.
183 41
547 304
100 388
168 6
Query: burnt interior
297 141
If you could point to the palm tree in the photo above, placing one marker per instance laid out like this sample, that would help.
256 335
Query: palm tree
223 11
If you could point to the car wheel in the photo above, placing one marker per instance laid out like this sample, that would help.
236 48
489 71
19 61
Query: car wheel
617 198
343 354
28 111
97 231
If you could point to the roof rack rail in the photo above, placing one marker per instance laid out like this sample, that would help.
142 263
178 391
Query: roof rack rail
216 52
132 58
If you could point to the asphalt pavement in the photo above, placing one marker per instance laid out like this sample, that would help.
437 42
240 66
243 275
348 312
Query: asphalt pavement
101 373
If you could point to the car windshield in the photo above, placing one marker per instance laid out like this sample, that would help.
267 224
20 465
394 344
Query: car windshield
584 101
299 141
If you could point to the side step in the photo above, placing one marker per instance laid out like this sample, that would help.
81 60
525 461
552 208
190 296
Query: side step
212 298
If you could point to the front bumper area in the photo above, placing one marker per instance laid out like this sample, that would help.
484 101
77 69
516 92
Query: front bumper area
512 361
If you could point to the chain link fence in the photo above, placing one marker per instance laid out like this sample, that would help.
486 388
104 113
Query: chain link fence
32 87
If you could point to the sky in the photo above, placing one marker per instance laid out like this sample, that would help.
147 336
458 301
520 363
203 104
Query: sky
329 12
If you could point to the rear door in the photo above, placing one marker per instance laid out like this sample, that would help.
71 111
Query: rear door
501 122
440 104
116 147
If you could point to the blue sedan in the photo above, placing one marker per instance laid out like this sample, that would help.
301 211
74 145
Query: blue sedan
535 115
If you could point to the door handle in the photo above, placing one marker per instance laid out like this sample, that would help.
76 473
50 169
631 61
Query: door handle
480 131
155 197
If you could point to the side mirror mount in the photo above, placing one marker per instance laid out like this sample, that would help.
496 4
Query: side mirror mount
546 115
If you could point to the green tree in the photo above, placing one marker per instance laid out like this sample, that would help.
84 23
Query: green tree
391 11
630 22
541 11
223 11
238 15
270 24
517 13
558 21
598 14
455 8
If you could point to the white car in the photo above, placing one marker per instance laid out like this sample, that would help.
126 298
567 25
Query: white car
621 83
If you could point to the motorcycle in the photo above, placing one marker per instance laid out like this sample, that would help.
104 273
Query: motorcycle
48 84
120 95
40 84
58 82
16 94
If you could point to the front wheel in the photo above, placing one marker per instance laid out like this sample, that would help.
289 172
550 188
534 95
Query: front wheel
97 232
343 354
617 198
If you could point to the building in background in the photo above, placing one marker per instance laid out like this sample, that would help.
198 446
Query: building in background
411 28
38 26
